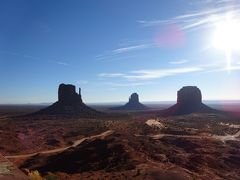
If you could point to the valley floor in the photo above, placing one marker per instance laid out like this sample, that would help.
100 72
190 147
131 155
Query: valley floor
136 146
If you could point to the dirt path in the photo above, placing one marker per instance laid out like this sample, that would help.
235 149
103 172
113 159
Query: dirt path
228 137
222 138
156 123
76 143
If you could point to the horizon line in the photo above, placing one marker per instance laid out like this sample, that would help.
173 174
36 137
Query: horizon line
117 102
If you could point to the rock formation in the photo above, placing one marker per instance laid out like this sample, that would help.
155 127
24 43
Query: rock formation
189 96
189 100
133 104
107 153
67 94
69 103
8 171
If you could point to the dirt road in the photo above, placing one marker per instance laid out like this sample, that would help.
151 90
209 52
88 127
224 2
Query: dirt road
76 143
221 138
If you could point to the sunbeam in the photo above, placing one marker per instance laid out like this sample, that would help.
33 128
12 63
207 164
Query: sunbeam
226 36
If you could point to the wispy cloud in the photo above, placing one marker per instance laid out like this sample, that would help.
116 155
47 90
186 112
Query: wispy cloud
27 56
35 58
141 77
124 52
111 75
111 58
181 61
62 63
227 69
151 74
233 68
131 48
31 57
129 84
198 19
160 73
10 53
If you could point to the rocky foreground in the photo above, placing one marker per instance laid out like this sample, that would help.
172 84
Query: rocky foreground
8 171
194 146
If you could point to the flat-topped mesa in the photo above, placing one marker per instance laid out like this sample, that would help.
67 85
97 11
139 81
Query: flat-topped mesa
189 100
189 95
132 104
67 94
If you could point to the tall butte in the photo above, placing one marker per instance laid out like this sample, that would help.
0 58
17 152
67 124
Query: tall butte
69 103
133 104
189 100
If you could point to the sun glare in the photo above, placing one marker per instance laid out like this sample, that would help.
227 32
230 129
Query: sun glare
226 37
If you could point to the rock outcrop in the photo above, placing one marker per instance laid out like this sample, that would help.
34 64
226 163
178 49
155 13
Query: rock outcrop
189 95
67 94
133 104
69 103
189 100
107 153
8 171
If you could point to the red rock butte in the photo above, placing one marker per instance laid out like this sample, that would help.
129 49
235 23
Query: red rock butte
132 104
189 100
69 103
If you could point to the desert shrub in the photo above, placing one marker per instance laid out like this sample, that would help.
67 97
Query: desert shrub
51 176
35 175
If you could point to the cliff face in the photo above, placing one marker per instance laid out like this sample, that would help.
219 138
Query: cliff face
189 100
189 95
69 103
134 99
133 104
67 94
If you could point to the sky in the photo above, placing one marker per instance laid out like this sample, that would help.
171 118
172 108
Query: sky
113 48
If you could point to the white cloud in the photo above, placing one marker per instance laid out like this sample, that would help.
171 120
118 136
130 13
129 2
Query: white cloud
234 68
227 69
124 52
126 84
198 19
181 61
111 75
10 53
160 73
151 74
62 63
154 22
111 58
30 56
130 48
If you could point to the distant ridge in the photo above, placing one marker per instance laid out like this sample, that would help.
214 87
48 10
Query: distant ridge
189 100
69 103
133 104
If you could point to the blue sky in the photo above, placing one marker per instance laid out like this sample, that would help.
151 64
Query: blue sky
113 48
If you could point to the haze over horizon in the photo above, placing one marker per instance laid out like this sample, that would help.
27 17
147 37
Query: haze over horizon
111 49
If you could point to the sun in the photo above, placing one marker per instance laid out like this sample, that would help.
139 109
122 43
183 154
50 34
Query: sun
226 36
